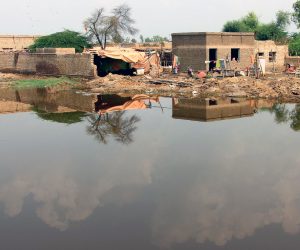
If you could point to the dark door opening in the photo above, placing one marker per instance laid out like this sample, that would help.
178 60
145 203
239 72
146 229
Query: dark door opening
235 55
114 66
212 58
212 54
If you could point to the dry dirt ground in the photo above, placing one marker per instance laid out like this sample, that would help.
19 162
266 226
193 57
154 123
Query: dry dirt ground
282 87
270 87
7 79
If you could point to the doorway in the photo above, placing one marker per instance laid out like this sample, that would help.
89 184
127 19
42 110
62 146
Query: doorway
212 54
212 59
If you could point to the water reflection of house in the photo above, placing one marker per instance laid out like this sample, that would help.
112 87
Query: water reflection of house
211 109
7 107
45 100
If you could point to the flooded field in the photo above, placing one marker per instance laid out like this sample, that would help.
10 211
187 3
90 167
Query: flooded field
148 173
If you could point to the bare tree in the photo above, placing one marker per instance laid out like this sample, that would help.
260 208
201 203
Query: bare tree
104 28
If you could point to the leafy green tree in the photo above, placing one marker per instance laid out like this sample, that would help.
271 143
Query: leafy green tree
275 30
294 45
234 26
283 19
296 13
249 23
156 39
271 31
64 39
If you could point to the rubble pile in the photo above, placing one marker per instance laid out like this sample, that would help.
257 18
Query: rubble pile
286 88
283 87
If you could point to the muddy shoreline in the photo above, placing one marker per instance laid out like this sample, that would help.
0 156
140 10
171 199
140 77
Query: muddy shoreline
275 87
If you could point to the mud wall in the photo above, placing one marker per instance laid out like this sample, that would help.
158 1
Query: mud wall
47 64
294 60
264 48
9 42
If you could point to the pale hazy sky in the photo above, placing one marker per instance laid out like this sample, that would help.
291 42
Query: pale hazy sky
161 17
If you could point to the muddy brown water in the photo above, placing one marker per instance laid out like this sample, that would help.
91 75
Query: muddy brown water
150 174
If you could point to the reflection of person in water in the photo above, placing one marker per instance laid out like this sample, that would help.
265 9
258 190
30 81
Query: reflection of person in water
113 103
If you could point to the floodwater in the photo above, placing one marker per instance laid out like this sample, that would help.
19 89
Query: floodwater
147 174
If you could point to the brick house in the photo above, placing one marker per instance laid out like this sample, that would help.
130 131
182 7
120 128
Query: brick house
16 42
194 49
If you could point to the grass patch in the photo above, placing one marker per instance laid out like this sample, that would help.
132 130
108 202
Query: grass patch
42 83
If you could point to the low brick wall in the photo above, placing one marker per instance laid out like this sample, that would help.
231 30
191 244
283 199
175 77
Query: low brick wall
294 60
48 64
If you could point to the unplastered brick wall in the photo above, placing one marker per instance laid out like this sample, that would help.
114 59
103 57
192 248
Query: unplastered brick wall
190 48
225 42
47 64
193 48
6 61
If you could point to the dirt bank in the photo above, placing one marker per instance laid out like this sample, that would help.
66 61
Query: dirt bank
270 87
37 81
279 87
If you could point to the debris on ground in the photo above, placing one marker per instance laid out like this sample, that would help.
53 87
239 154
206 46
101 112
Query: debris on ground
274 87
278 86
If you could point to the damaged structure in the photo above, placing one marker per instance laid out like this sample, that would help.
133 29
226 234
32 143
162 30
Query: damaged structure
125 62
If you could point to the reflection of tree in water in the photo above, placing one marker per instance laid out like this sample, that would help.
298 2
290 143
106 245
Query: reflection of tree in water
295 118
66 118
112 124
284 115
